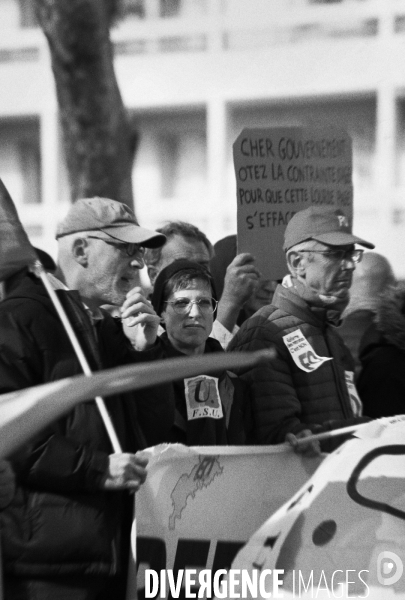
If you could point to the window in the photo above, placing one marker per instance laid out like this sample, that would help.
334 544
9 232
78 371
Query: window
170 8
31 171
27 14
133 8
169 157
324 1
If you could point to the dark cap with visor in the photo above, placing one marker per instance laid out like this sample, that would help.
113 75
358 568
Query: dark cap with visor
111 217
329 227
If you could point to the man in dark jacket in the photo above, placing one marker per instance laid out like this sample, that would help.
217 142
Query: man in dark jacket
310 383
63 535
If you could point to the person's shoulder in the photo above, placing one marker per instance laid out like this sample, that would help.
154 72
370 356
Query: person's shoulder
213 345
263 325
26 322
269 318
29 289
23 308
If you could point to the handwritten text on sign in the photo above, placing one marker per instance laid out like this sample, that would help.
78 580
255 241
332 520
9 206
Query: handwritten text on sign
281 171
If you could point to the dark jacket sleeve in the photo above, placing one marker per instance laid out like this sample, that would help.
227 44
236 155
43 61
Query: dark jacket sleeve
150 409
56 464
52 460
155 405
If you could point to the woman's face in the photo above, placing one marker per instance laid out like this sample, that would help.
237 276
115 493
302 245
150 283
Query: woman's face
189 331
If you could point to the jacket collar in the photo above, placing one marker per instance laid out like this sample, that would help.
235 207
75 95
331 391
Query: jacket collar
211 345
287 299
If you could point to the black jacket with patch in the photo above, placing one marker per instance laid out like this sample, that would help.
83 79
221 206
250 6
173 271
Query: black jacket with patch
285 397
195 429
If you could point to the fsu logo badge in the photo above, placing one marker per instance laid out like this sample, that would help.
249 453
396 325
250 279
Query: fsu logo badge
202 398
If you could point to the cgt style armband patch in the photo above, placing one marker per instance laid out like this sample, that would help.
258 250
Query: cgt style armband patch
302 352
202 398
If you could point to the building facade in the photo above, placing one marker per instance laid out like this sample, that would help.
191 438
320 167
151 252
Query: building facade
193 74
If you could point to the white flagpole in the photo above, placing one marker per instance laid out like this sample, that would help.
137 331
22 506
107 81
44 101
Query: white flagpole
41 273
1 576
330 434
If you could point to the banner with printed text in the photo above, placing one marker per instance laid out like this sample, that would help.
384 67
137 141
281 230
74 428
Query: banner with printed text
280 171
199 506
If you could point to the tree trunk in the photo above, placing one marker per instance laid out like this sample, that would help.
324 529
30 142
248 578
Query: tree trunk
98 139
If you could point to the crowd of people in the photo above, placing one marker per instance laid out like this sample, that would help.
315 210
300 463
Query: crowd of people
66 496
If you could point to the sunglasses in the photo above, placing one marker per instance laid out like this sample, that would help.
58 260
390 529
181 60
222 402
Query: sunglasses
339 255
130 249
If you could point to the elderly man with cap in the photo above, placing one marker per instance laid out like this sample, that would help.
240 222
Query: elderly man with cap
63 534
309 386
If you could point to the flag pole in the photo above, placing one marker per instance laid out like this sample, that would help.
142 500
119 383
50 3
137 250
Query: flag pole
40 272
325 435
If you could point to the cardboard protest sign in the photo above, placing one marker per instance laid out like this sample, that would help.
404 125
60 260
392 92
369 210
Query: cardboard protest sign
280 171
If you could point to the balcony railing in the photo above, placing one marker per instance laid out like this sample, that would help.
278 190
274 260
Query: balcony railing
249 24
167 26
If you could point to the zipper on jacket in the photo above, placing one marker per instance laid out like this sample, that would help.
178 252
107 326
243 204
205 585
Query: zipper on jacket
343 394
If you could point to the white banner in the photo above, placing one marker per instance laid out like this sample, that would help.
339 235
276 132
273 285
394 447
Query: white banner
200 505
343 534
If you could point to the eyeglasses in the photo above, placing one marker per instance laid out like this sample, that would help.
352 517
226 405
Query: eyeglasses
182 306
354 256
130 249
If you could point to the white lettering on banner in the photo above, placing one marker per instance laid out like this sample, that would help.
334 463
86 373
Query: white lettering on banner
302 352
202 398
355 401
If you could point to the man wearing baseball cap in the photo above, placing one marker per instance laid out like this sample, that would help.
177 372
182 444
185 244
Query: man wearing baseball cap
309 386
64 527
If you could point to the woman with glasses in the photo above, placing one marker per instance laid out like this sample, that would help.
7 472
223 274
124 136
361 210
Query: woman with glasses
208 410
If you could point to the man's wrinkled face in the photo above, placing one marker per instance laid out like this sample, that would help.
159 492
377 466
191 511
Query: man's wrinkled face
111 272
180 247
328 275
